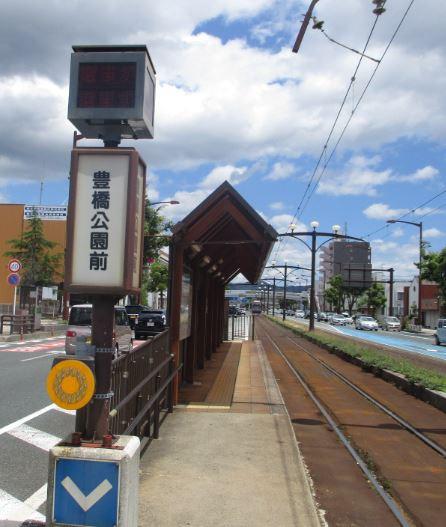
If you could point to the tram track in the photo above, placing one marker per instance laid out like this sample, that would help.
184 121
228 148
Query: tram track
400 501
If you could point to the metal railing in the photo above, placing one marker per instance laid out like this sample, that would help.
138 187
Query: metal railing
142 386
17 323
239 327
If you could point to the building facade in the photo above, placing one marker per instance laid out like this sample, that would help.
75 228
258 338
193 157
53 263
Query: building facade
13 221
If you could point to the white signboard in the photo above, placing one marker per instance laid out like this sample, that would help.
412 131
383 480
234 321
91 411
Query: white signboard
100 220
138 227
45 212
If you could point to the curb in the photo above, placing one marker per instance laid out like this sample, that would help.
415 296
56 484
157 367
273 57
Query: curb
32 336
433 397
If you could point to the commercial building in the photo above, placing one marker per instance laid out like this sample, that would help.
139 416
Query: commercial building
430 301
13 221
350 259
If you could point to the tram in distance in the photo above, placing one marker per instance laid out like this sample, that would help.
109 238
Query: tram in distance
256 307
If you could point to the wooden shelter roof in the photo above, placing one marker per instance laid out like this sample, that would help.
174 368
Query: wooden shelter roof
226 232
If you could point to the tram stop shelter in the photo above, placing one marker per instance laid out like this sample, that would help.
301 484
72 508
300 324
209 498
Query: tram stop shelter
221 238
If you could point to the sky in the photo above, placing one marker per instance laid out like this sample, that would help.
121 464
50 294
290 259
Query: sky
234 103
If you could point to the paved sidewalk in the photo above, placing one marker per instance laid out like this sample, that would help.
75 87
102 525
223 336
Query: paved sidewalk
229 465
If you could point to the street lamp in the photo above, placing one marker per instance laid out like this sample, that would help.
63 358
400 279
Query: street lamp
171 202
420 226
313 248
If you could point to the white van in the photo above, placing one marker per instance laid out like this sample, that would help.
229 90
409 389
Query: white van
79 324
440 334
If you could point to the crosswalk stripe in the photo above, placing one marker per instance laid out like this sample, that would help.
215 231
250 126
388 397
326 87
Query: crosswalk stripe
34 437
38 498
13 509
17 423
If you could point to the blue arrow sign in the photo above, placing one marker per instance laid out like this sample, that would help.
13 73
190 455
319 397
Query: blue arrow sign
86 493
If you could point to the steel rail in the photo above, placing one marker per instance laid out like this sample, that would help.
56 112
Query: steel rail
401 421
389 501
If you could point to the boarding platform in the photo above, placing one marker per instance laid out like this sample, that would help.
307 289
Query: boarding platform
227 456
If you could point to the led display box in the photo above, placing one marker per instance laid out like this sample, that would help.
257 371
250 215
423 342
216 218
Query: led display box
112 92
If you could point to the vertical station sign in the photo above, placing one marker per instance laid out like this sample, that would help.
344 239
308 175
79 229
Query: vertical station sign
105 221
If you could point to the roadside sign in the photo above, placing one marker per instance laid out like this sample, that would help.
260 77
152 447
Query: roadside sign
70 384
14 266
13 279
86 492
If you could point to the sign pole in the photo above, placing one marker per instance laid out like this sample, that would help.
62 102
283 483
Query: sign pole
14 303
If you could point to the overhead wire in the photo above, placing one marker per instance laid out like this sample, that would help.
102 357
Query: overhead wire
411 211
301 207
356 105
324 149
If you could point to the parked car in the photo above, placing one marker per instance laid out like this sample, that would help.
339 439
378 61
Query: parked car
337 320
150 323
440 334
391 324
133 311
79 324
366 322
347 318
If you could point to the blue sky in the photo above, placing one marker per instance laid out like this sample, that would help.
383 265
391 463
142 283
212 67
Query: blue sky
233 103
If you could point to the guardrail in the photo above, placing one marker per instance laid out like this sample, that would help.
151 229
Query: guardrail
142 385
17 323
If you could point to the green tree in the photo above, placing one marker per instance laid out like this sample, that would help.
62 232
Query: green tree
433 267
40 263
334 293
158 279
156 232
374 298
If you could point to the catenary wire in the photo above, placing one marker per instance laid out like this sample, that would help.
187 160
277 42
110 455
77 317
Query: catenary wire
324 149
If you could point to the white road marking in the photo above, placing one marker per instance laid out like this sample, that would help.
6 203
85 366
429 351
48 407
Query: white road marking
34 437
49 354
13 509
86 502
38 498
70 412
27 418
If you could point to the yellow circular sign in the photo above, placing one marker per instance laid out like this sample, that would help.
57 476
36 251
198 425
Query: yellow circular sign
70 384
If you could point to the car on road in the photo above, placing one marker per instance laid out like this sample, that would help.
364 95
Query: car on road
290 312
322 317
347 318
391 324
133 311
440 334
337 320
300 313
79 325
150 323
366 322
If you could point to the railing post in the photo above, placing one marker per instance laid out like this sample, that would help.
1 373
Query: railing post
233 319
170 388
156 409
253 326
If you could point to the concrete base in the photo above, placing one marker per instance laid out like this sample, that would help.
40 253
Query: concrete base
78 494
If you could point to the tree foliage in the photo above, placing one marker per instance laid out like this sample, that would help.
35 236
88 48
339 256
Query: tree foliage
338 294
40 263
433 268
156 232
374 298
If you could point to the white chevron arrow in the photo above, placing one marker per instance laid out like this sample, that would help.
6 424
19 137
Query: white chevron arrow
86 502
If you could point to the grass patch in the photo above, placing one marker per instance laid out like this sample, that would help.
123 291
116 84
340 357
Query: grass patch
422 376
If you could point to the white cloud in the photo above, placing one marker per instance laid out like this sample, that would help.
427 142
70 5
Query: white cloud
228 173
277 205
433 233
382 211
426 173
281 171
358 178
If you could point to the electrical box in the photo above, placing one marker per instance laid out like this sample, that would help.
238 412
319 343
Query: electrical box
112 92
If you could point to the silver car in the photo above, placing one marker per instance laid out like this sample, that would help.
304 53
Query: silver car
79 325
440 334
391 324
368 323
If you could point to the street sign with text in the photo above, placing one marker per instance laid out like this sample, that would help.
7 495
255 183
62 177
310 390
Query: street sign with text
14 265
105 221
